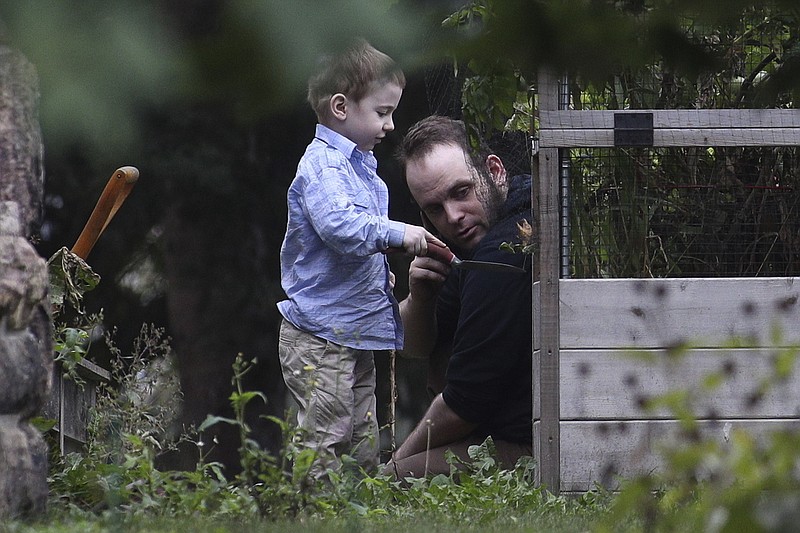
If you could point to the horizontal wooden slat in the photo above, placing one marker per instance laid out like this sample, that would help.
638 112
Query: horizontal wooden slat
662 138
613 384
603 452
675 118
658 313
675 127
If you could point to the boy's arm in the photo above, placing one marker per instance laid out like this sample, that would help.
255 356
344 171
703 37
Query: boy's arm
346 218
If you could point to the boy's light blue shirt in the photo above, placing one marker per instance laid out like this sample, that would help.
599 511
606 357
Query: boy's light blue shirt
332 269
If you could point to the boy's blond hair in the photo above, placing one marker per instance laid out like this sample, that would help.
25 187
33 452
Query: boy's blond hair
351 73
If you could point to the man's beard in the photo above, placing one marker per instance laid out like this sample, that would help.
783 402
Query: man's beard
491 196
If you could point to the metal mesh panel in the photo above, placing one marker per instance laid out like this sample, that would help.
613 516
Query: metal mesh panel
676 212
687 211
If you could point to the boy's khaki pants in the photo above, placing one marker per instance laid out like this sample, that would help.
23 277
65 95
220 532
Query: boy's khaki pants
334 387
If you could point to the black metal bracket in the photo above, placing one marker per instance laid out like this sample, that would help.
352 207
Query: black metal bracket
633 129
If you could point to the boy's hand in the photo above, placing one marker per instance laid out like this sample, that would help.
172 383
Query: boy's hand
416 239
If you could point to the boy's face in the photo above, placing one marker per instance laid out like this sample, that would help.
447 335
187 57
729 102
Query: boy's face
367 121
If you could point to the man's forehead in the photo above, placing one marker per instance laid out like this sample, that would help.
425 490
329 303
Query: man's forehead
438 189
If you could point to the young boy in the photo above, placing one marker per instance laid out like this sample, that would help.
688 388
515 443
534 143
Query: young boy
340 307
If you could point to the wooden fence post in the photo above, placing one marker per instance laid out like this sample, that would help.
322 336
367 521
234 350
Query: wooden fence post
546 430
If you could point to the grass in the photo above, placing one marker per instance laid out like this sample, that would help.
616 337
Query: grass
746 484
424 522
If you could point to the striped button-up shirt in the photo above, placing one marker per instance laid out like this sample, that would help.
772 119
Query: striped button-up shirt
332 269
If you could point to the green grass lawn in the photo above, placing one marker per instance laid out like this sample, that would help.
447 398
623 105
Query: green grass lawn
425 522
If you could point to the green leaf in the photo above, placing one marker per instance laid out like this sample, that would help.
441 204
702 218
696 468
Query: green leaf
43 424
240 399
302 464
213 420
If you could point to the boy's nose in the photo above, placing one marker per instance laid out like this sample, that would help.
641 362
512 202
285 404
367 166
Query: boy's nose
388 125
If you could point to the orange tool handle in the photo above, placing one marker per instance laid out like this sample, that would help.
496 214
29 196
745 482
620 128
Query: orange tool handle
115 192
442 253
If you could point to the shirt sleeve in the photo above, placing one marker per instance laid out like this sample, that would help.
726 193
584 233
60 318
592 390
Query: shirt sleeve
346 217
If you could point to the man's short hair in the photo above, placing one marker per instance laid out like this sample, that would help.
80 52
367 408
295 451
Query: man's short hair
437 130
424 136
352 73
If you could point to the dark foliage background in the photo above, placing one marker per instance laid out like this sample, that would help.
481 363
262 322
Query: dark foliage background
205 97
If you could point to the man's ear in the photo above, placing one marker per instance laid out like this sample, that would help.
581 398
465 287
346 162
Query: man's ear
338 105
496 169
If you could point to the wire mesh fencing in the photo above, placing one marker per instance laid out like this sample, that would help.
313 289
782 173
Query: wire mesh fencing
695 210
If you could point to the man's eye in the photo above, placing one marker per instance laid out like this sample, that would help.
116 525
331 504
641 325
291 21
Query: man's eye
461 192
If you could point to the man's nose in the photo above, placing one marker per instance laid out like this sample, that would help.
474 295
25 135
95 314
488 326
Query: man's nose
454 214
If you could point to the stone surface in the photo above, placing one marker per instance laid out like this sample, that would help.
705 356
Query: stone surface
26 349
21 148
23 478
23 281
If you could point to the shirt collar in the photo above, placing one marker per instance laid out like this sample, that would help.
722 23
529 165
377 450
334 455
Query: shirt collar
344 145
338 141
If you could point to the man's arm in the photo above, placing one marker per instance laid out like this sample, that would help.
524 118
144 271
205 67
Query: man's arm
440 426
418 310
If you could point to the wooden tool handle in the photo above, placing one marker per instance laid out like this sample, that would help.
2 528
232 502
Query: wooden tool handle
442 253
115 192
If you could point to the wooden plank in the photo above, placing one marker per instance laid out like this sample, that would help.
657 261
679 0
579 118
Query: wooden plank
537 333
657 313
78 400
674 118
604 138
616 384
93 373
70 404
602 452
546 440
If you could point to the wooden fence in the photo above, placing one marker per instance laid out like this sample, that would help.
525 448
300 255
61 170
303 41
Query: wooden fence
604 347
70 404
624 343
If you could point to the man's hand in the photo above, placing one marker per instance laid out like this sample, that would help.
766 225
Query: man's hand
416 239
425 277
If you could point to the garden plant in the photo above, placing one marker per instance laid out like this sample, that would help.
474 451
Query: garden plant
118 482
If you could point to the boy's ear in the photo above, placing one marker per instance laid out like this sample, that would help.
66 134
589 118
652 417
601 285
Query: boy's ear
338 106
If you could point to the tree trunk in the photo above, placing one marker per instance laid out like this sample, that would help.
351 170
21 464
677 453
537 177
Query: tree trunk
219 306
